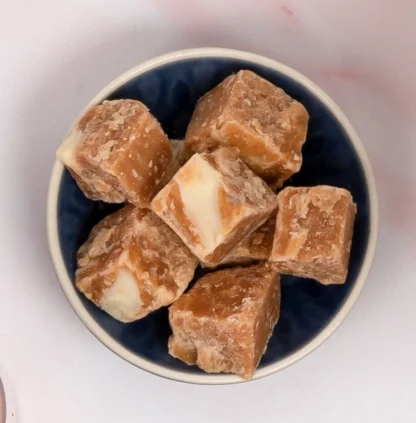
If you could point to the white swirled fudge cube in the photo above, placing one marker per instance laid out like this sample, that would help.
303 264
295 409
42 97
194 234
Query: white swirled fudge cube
213 202
132 264
118 152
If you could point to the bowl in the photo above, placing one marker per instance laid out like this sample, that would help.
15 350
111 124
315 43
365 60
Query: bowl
2 404
170 86
7 400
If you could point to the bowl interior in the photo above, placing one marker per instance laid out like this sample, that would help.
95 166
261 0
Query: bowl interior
171 92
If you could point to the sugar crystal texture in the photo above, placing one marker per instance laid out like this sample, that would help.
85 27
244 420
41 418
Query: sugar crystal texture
256 247
132 264
118 152
223 324
213 202
314 229
261 120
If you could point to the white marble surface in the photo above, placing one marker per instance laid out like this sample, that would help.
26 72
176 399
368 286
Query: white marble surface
56 55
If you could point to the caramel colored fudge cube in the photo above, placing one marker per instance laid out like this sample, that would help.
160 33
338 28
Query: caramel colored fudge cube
118 152
223 324
313 233
178 160
256 247
265 124
132 264
178 152
213 202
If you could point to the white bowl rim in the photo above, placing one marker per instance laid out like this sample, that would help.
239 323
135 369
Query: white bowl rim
214 379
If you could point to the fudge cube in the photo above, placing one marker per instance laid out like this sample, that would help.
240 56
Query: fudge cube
213 202
178 160
223 324
178 152
256 247
118 152
313 233
265 124
132 264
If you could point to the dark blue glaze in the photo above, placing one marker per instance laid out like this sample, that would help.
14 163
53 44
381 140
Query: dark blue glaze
171 93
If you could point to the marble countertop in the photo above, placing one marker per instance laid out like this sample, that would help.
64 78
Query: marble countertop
56 56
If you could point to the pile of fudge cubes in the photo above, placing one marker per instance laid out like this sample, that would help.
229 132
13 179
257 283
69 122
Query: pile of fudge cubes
210 201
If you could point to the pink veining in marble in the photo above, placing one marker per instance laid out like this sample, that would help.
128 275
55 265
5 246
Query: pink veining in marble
287 10
344 74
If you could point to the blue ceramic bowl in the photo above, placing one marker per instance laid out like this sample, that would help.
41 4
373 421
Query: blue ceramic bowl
333 154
